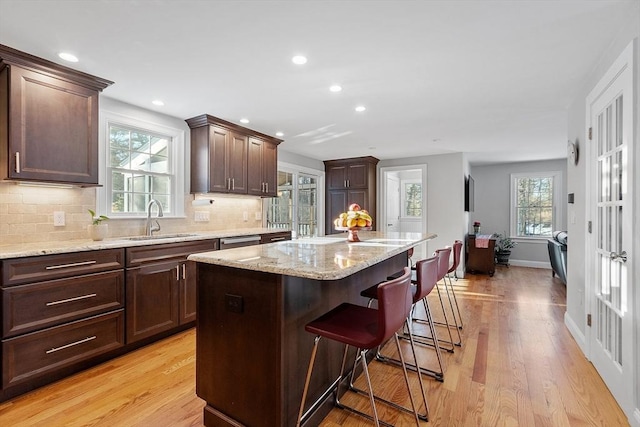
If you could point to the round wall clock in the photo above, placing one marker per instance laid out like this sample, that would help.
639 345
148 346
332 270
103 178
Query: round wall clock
572 152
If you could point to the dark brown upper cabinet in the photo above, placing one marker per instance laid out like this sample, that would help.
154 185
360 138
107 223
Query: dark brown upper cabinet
349 181
48 121
263 168
227 158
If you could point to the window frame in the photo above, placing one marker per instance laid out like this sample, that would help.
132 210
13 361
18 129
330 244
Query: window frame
557 206
176 164
403 199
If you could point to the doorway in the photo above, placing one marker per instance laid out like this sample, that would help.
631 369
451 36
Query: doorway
403 197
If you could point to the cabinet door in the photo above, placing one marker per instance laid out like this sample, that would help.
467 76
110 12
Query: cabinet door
188 292
152 302
54 129
357 176
237 163
337 177
255 182
336 204
270 169
218 146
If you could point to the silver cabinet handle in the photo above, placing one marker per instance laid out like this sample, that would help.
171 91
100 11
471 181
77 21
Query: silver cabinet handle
17 162
73 264
62 301
621 257
178 272
266 185
276 239
87 339
184 271
233 183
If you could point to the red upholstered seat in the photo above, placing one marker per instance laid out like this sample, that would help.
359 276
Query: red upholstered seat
364 327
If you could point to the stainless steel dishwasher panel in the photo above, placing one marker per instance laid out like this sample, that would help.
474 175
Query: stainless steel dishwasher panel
237 242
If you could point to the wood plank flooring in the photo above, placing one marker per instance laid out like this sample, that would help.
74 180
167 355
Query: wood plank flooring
517 366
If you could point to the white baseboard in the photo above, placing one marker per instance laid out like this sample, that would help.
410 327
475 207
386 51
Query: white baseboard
577 334
531 264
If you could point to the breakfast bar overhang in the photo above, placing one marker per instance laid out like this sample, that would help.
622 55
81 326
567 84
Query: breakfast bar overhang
252 351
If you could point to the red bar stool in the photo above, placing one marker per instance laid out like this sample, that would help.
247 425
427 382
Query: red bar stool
457 250
443 267
426 279
364 328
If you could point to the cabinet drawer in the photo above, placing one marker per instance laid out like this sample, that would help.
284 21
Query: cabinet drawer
139 255
275 237
26 308
17 271
40 353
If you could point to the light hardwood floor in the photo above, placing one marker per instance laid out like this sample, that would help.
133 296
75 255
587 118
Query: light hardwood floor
518 366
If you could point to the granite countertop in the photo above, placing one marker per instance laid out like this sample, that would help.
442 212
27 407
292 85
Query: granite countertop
318 258
60 247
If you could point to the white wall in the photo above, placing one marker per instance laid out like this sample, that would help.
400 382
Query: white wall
492 205
444 196
577 274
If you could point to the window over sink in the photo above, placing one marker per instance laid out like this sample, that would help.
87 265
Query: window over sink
142 161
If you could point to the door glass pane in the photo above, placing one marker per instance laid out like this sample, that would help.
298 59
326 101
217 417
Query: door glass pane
280 209
307 206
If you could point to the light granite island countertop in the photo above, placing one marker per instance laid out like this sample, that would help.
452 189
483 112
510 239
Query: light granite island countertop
252 350
319 258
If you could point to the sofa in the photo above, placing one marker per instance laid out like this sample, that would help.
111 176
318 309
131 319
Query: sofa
557 247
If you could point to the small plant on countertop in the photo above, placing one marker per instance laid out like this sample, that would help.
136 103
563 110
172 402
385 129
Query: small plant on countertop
97 219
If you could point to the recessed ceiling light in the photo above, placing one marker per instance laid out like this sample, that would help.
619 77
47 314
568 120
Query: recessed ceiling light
68 57
299 60
243 120
360 108
279 134
157 102
335 88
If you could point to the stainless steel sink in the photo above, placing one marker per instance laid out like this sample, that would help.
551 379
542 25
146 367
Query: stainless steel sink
161 236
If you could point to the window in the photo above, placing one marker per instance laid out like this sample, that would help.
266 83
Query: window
411 199
143 161
535 204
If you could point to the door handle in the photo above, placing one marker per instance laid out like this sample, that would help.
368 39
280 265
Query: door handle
621 257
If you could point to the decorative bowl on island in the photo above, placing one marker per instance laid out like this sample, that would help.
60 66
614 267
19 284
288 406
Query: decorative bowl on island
354 220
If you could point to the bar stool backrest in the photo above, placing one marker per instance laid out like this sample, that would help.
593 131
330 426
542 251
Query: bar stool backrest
394 305
457 249
427 277
443 261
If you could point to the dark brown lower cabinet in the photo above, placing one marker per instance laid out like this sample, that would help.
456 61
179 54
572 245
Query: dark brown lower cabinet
40 353
152 299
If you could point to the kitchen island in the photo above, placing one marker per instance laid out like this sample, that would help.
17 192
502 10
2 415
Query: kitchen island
252 351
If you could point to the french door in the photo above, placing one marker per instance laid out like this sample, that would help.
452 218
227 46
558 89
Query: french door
610 118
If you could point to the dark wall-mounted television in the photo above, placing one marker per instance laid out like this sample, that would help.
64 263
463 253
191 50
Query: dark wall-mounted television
469 192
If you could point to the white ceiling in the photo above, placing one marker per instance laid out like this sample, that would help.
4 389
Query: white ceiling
493 79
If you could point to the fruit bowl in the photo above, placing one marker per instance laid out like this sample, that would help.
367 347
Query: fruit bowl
353 232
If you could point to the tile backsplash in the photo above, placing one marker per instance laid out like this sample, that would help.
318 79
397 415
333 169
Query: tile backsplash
26 215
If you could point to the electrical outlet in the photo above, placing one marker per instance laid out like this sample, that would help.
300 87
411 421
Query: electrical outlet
258 216
245 216
58 219
201 216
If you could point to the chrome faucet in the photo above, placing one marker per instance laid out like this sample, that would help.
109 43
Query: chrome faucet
150 227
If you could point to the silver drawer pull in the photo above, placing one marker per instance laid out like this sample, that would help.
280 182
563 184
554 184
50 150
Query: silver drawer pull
87 339
275 239
73 264
62 301
17 162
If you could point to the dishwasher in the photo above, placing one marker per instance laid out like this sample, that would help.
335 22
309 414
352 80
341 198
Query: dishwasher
237 242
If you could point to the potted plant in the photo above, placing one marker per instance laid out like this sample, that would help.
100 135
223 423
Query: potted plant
503 247
97 230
